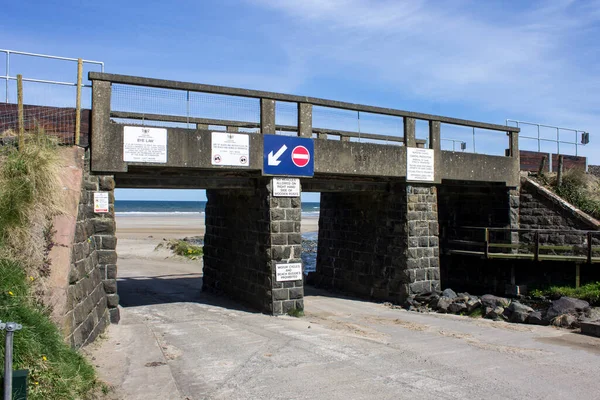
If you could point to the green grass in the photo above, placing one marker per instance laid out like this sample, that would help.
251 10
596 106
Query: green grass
55 370
476 313
589 292
185 249
30 194
296 312
575 190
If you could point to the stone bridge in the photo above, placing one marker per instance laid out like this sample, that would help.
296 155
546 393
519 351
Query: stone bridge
383 204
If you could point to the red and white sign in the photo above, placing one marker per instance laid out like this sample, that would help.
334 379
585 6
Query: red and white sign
300 156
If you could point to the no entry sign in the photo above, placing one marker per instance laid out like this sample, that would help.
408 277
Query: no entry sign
300 156
288 156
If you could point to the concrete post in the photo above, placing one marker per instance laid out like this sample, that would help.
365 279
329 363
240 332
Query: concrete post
267 116
202 127
103 157
305 120
232 129
434 135
409 132
435 143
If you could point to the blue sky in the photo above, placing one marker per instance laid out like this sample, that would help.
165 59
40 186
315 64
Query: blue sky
482 60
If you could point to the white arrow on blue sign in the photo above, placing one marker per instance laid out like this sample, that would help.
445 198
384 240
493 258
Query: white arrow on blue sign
288 156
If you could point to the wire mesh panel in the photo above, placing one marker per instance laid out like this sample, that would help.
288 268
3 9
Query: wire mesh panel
53 121
474 140
286 118
189 108
358 125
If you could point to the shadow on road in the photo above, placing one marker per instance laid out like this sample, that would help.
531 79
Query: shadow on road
176 288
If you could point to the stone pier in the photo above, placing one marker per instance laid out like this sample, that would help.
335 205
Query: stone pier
249 232
383 245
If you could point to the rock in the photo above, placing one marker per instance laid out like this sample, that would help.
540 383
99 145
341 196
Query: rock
489 300
451 294
519 317
443 304
457 308
515 306
535 318
592 313
472 304
494 312
566 305
564 320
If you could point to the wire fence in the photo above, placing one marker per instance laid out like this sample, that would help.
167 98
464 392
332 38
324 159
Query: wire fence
51 94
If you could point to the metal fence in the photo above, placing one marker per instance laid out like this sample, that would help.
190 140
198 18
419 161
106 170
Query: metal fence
53 106
541 135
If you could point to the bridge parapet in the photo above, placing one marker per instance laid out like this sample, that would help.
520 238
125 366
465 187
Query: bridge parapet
376 146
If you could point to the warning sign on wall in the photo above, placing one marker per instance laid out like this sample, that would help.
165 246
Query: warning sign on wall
230 149
288 272
141 144
100 202
419 164
286 187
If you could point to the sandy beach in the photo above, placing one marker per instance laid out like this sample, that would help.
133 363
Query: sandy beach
176 226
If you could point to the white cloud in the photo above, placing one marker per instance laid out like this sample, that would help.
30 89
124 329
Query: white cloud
537 61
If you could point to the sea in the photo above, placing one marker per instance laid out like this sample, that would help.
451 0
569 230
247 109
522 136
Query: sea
141 207
148 208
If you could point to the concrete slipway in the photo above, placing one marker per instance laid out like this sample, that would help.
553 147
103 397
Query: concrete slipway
176 343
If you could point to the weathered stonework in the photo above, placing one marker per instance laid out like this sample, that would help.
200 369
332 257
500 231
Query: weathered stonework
540 209
247 233
91 296
383 245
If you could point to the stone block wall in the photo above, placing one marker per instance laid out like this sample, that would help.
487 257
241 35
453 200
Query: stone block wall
286 247
91 296
236 246
541 209
594 170
248 232
423 261
383 245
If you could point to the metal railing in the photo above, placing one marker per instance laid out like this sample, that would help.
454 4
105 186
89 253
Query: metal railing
169 102
558 141
8 77
463 144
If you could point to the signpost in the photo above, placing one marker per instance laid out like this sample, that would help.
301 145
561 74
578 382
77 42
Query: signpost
288 156
141 144
420 164
288 272
286 187
232 149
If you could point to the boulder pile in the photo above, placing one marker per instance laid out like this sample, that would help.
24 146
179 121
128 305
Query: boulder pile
565 312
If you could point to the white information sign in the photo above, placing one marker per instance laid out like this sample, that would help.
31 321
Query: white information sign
141 144
100 202
286 187
288 272
419 164
230 149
